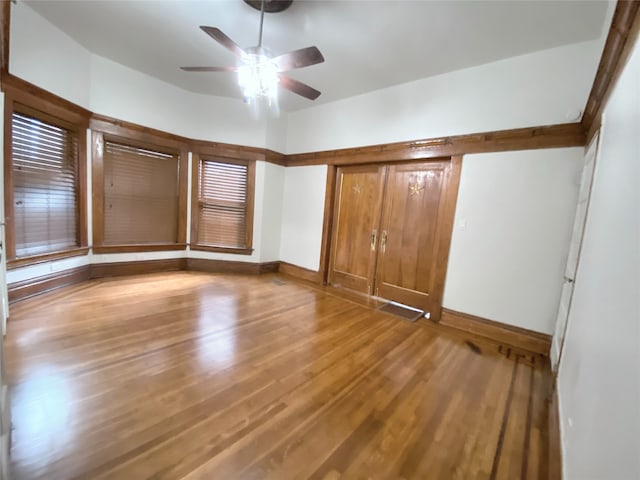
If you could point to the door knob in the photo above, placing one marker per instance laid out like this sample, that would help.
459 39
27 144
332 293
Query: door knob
374 234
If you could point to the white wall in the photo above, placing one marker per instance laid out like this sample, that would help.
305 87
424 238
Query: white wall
511 232
272 212
47 57
530 90
276 133
511 235
121 92
266 228
599 377
533 89
302 215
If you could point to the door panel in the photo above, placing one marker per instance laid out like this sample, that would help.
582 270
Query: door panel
410 231
574 253
359 192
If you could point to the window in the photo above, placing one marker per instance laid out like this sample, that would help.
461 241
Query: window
223 219
45 160
140 195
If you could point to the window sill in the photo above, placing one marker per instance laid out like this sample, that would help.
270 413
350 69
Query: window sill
210 248
151 247
46 257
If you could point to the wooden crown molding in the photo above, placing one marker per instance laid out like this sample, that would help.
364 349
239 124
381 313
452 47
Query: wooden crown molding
227 150
275 157
5 26
624 30
554 136
27 93
622 34
133 131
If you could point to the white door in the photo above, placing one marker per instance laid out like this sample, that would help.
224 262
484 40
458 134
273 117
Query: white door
5 415
4 297
574 252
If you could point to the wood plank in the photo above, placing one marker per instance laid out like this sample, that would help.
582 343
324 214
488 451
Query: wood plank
356 227
226 266
187 375
510 335
411 229
147 247
300 273
623 33
40 99
554 136
553 432
35 286
46 257
5 36
116 269
327 223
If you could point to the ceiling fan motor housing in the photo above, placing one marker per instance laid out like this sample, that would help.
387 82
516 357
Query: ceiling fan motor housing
270 6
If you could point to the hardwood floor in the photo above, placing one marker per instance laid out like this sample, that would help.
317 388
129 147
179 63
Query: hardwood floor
201 376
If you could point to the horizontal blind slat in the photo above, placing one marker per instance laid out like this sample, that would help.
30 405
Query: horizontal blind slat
44 167
222 204
141 195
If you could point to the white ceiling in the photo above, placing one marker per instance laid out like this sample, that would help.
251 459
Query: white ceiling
367 45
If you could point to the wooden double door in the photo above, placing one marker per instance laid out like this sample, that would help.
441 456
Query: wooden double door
392 229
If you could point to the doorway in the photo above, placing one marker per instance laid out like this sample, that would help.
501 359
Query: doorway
392 230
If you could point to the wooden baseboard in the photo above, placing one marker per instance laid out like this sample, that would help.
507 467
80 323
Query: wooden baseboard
224 266
116 269
269 267
35 286
300 273
515 336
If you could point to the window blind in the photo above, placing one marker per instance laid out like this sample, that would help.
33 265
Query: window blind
222 204
44 164
140 195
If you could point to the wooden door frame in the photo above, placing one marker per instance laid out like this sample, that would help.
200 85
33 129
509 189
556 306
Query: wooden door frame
450 195
593 146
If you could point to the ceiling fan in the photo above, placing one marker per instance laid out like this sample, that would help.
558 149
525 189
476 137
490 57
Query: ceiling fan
259 73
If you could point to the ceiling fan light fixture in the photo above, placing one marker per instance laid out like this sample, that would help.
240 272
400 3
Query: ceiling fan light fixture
258 79
259 72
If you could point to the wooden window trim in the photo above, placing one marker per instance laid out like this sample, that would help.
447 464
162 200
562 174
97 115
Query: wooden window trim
210 248
150 247
103 131
211 154
46 257
61 115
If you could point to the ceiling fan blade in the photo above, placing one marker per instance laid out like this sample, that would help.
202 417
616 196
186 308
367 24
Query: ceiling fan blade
304 57
223 40
298 87
209 69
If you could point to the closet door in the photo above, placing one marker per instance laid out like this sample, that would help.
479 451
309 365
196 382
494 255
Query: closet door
410 233
359 192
